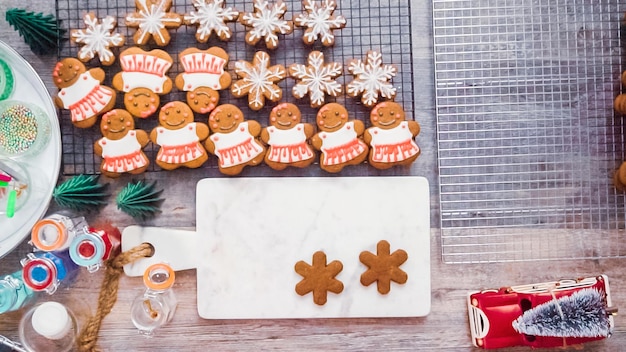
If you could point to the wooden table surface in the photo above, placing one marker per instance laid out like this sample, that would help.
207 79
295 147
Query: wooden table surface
445 328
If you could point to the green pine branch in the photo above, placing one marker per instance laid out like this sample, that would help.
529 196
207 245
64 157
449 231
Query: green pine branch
139 199
81 192
41 32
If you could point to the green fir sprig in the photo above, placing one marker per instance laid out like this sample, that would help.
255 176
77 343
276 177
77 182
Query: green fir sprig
140 199
81 192
41 32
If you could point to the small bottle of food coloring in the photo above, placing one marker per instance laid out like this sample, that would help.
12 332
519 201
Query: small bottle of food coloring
44 271
92 247
49 326
56 232
156 306
14 294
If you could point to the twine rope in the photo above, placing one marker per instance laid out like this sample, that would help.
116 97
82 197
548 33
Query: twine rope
88 337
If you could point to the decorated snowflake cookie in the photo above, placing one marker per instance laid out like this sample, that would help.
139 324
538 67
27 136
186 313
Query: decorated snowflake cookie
371 79
316 79
97 39
258 80
266 22
211 16
152 20
319 21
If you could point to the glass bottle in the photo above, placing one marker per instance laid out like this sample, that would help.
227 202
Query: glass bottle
49 326
14 294
92 247
44 271
156 306
56 232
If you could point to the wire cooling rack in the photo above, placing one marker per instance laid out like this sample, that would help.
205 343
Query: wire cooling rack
382 25
527 137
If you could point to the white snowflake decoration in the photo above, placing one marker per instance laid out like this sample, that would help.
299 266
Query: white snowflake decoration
258 80
371 79
316 79
211 16
319 21
266 22
152 19
97 39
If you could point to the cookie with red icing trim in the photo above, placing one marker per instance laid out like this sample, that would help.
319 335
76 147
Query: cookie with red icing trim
81 92
143 79
391 137
338 139
179 137
121 146
234 140
203 76
288 138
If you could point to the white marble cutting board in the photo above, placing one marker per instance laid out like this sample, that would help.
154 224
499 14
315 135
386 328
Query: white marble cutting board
252 231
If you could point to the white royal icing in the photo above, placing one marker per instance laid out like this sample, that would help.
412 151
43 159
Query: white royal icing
237 147
320 21
266 21
343 140
371 78
258 79
84 85
287 146
126 150
392 145
151 19
97 38
316 78
211 16
134 80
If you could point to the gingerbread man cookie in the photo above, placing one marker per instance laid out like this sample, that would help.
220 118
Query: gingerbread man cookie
203 76
287 138
142 79
319 21
266 22
81 92
339 139
391 137
258 80
234 140
371 79
121 148
179 137
97 39
211 16
152 20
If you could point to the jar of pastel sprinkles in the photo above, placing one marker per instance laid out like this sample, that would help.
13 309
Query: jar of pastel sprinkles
24 129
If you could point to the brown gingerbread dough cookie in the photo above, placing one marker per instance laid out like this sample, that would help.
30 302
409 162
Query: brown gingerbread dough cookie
339 138
152 20
391 137
81 92
258 80
319 278
211 16
287 138
179 137
383 267
121 146
234 140
266 22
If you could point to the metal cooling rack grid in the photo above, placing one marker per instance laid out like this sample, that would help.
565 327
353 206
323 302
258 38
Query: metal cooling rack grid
374 25
527 137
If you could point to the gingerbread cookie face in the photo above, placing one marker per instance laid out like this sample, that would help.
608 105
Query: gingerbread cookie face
203 76
371 79
211 16
143 79
319 21
383 267
97 39
317 79
287 138
179 137
81 92
152 20
319 278
258 80
121 147
339 139
266 22
234 140
391 137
